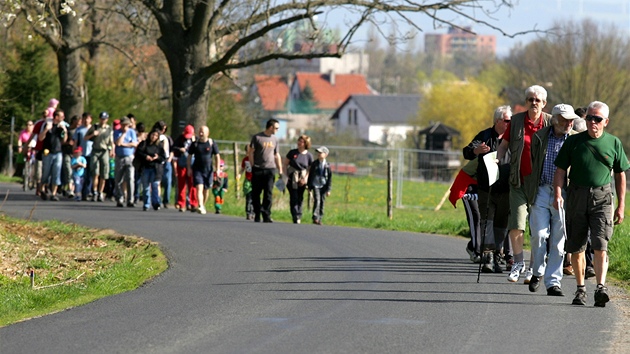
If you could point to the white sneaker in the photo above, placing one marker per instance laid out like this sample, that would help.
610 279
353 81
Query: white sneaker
528 275
202 210
516 271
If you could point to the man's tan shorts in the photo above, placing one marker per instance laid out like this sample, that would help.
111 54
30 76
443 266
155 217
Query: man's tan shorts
518 209
99 164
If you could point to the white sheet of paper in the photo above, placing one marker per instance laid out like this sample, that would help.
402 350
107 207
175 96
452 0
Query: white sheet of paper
492 167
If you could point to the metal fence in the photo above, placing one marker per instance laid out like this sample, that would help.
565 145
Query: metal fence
409 165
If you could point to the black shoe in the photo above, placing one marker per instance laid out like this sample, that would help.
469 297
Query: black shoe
554 291
487 266
268 220
497 267
534 283
580 298
217 212
589 273
165 205
131 205
257 218
156 207
601 296
119 204
144 208
54 198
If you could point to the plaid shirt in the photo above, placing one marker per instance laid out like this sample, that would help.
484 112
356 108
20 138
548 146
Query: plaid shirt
553 146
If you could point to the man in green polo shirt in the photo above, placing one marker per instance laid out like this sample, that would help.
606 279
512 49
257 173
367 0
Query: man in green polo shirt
591 155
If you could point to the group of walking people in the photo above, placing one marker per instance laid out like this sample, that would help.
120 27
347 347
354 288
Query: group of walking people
298 171
558 172
96 162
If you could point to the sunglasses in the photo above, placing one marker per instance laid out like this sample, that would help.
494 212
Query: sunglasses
532 100
593 118
507 120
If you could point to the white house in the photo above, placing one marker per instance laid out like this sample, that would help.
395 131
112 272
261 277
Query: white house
383 120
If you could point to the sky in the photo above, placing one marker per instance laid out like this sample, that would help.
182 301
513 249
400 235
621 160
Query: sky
525 15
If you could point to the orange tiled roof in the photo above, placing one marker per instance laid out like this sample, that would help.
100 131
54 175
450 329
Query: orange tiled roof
273 91
330 96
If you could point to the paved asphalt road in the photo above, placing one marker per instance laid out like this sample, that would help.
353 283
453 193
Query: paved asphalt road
235 286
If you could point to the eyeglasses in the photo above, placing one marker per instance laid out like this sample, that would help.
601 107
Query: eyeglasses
532 100
507 120
594 118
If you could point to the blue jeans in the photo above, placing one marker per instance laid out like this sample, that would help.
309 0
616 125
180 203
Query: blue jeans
78 184
167 181
547 226
52 169
151 187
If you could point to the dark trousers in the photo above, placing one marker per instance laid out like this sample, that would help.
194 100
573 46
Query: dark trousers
494 209
262 182
86 189
319 198
249 206
471 207
296 199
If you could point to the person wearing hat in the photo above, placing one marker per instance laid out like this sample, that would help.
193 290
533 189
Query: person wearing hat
102 139
185 186
78 164
546 224
319 182
593 156
126 141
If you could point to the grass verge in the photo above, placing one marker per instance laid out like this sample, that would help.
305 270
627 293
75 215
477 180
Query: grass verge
72 265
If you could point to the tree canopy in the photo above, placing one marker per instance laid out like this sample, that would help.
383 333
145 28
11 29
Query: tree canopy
580 63
465 106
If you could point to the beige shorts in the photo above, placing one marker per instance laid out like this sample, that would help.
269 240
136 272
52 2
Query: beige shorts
99 164
519 209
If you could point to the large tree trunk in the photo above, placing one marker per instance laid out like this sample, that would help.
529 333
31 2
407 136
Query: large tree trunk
191 89
69 64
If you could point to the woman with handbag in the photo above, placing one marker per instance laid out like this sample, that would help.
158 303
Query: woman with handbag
296 165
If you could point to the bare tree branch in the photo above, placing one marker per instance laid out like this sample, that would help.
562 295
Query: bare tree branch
231 52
